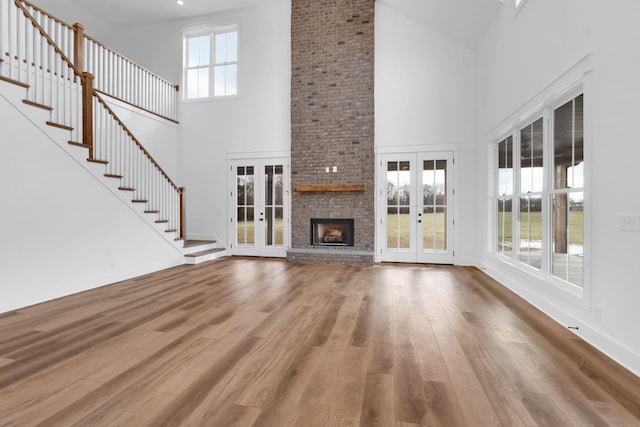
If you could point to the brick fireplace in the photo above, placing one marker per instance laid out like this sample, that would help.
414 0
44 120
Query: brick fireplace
332 127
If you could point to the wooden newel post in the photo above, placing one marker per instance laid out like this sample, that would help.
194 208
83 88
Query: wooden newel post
78 46
183 214
87 111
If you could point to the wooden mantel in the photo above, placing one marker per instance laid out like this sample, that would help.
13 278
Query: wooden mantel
326 188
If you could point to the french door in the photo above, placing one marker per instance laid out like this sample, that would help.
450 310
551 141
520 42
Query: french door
417 210
259 207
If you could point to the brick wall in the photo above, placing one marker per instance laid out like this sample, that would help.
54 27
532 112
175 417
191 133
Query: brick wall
332 123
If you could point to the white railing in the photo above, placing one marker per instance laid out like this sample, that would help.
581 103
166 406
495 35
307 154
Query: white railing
128 159
121 78
61 33
114 74
30 56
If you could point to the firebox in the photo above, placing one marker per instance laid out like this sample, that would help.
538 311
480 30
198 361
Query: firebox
331 232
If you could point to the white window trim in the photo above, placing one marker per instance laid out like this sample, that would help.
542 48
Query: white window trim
577 80
201 30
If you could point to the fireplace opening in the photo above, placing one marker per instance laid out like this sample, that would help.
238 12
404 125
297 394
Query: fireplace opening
331 232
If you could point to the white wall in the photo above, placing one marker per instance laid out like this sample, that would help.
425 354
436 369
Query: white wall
518 58
64 232
257 120
425 96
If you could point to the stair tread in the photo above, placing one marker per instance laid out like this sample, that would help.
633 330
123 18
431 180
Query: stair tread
139 201
162 221
172 230
203 253
15 82
126 189
152 212
102 162
58 125
192 242
79 144
110 175
37 105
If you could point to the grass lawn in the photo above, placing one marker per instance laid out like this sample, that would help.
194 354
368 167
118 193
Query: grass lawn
248 227
534 220
398 227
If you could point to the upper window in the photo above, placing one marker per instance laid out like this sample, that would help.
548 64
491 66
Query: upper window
540 193
211 63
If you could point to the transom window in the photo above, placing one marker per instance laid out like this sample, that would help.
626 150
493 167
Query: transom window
211 63
540 193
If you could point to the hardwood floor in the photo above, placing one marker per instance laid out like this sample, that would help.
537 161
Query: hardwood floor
242 342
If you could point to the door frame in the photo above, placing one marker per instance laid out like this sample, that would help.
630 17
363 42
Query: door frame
384 152
261 158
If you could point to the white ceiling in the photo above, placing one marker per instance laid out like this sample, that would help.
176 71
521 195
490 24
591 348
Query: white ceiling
462 20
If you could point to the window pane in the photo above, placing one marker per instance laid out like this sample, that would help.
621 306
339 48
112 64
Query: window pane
568 237
505 242
205 51
568 143
198 51
203 82
220 80
505 167
397 228
250 227
531 157
428 182
241 229
232 46
198 83
269 226
192 84
530 226
428 229
434 226
221 48
576 171
279 227
231 80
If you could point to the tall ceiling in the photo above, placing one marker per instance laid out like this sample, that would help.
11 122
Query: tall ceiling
462 20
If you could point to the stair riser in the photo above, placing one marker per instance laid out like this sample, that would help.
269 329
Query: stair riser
201 259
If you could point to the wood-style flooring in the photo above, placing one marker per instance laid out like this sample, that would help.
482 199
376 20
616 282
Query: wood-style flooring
257 342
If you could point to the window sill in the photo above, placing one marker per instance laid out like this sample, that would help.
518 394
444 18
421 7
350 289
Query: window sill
533 279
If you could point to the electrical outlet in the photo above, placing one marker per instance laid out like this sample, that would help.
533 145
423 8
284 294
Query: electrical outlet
630 222
326 169
335 169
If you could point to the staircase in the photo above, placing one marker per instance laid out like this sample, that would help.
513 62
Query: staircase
59 97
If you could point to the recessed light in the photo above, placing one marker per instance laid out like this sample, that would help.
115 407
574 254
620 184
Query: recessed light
180 2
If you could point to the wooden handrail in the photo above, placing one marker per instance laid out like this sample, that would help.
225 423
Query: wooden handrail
44 34
134 139
102 45
60 21
136 106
